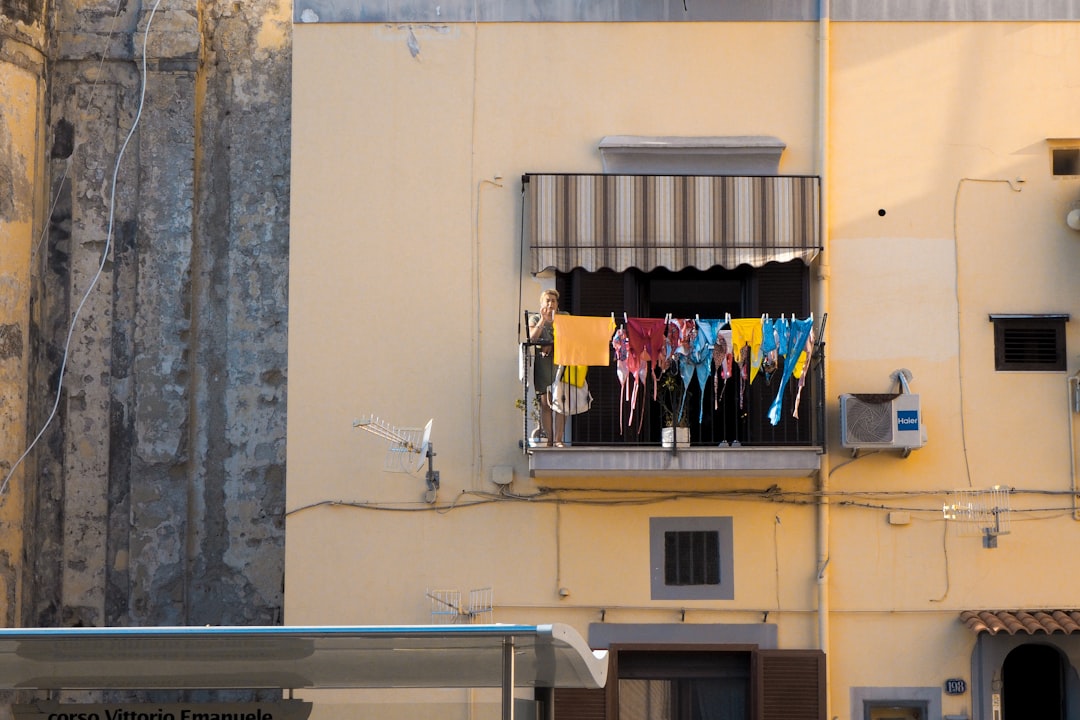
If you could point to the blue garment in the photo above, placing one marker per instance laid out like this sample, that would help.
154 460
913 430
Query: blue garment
795 334
700 359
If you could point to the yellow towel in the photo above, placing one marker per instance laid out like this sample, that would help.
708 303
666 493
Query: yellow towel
743 332
582 340
575 375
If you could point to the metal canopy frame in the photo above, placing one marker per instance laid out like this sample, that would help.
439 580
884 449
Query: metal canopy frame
320 657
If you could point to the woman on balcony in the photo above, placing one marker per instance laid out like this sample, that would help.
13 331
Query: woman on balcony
541 331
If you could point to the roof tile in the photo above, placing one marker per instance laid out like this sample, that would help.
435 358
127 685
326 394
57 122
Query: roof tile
1031 622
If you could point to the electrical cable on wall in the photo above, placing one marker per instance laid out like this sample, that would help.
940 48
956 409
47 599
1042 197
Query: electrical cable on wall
1016 186
101 266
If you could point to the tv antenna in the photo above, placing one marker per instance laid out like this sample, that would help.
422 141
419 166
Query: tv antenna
980 512
409 447
447 608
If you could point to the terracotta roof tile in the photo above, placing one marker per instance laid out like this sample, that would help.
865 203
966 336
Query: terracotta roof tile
1022 621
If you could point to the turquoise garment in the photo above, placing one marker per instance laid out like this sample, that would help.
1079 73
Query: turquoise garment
794 332
701 358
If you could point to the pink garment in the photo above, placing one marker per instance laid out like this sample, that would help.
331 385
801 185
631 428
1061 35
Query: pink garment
627 367
647 346
723 360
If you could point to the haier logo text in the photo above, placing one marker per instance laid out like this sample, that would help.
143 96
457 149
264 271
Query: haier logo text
907 419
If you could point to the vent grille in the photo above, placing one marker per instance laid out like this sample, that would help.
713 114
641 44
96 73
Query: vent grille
1030 343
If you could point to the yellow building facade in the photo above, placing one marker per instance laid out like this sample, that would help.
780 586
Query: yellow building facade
863 579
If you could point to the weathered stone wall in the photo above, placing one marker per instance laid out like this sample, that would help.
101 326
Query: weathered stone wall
156 496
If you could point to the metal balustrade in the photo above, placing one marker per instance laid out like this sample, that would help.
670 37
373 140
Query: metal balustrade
725 414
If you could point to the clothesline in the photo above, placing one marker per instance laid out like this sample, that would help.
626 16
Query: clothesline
695 348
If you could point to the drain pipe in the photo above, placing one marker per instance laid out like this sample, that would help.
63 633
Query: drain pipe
1073 383
823 510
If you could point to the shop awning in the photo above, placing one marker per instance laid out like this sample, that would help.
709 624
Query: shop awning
438 656
1031 622
671 221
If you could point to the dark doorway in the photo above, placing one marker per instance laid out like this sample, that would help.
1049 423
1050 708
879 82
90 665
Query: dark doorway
1033 684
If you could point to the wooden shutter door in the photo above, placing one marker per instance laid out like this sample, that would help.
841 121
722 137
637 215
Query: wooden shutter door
580 704
790 685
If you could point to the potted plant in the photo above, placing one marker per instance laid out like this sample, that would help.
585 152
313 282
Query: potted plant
536 436
676 421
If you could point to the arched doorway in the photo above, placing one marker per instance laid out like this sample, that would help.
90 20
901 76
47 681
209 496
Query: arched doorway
1033 685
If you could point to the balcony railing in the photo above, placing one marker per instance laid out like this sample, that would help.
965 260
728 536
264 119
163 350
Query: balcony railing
724 415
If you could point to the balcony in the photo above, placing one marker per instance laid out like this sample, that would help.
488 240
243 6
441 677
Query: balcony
728 432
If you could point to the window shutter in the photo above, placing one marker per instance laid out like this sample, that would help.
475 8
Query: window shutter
782 289
791 685
580 704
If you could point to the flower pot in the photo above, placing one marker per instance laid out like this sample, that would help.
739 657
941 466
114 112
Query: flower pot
675 436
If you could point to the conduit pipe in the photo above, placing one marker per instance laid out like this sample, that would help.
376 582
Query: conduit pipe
822 292
1073 384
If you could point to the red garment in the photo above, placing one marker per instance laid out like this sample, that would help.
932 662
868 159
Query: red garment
647 346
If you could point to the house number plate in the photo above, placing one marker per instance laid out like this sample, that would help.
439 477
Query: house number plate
955 686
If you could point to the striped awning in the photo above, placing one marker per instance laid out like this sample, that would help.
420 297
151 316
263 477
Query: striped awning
671 221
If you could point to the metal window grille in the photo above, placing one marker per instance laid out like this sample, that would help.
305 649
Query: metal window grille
692 557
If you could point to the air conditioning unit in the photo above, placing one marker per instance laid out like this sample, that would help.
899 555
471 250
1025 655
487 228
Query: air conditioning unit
883 422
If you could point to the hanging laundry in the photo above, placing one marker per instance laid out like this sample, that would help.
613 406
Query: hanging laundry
744 375
723 361
648 345
682 338
783 332
795 333
583 340
701 356
770 348
627 368
681 334
802 364
804 358
747 332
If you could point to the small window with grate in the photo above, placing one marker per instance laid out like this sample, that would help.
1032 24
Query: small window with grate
1029 343
691 558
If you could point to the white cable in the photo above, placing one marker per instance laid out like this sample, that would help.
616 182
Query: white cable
101 265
